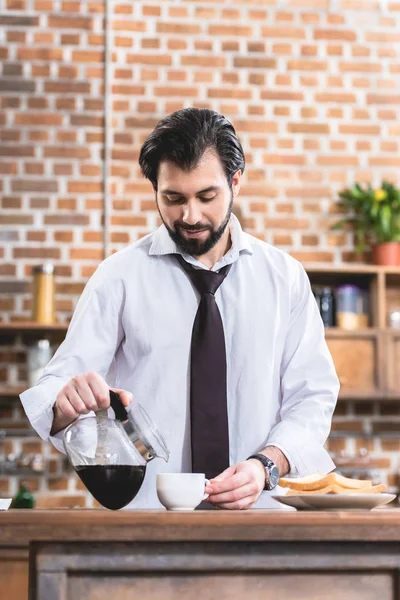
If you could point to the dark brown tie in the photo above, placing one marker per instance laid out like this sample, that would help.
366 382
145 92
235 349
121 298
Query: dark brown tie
208 402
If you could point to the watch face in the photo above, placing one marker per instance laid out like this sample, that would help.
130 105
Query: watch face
273 477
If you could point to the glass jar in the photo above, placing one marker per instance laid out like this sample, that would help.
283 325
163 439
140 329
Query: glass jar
38 355
43 310
352 307
394 319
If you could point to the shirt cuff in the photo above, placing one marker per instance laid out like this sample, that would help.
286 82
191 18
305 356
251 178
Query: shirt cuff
38 404
304 453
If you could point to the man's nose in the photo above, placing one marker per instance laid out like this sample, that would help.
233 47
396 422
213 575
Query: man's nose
192 213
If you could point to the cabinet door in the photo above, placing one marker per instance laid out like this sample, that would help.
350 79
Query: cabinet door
392 347
357 360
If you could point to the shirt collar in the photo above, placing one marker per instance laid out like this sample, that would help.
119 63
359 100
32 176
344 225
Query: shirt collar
163 244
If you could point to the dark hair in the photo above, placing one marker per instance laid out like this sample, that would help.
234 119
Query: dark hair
183 137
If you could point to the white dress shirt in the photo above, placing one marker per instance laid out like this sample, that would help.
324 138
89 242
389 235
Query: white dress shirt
133 325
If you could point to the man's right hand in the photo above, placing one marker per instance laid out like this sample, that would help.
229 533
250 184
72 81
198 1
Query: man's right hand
82 394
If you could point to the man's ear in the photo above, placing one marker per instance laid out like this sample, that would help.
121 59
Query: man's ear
236 182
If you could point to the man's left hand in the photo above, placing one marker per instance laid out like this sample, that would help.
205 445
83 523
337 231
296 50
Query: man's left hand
238 487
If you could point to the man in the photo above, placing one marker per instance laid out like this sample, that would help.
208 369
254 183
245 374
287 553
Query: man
238 378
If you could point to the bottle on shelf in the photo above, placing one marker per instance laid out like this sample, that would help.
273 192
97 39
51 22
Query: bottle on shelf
43 310
23 498
326 304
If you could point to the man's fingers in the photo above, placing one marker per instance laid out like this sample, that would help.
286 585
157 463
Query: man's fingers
231 483
227 473
234 495
84 392
126 397
65 409
241 504
72 399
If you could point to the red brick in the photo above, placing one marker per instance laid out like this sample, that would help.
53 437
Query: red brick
70 39
31 252
295 33
254 62
190 92
382 37
67 87
335 34
85 187
65 22
281 95
341 98
38 119
229 30
63 204
63 236
133 90
383 98
149 59
126 25
319 128
307 65
34 168
256 126
86 254
360 129
155 11
367 67
134 221
284 159
86 56
234 93
36 236
45 54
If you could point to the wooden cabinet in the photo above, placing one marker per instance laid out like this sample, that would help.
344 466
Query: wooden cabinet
224 555
367 360
358 360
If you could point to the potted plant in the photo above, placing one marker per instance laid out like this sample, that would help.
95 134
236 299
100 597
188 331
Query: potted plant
374 216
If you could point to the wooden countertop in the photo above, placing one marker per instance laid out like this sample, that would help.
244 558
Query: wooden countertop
19 527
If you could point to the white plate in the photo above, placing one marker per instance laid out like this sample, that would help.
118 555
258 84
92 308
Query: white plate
336 501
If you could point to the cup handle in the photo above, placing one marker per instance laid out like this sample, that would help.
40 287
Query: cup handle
207 481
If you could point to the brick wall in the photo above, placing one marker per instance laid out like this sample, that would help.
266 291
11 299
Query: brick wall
312 87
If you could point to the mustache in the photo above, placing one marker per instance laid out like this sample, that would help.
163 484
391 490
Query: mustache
192 228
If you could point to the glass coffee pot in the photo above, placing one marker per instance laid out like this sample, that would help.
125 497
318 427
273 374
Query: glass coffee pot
110 455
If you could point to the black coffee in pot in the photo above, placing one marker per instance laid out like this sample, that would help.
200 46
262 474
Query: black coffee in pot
114 486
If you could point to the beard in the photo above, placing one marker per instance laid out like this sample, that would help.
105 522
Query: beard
196 247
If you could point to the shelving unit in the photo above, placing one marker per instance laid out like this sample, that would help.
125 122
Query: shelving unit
367 360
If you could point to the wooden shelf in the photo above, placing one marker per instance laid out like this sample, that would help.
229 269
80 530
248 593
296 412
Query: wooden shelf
8 391
337 332
352 268
368 395
17 326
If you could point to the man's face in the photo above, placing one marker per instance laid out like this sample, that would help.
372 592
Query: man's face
195 206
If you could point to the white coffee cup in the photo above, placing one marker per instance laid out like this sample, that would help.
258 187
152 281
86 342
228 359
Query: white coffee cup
181 491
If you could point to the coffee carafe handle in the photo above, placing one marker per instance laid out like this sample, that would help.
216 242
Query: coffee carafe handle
118 407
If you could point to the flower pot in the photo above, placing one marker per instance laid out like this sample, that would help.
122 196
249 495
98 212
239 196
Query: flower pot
387 253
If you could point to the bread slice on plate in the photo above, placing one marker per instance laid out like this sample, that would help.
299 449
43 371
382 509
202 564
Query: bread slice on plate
316 482
337 489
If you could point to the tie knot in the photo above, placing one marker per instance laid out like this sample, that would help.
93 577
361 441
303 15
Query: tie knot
205 282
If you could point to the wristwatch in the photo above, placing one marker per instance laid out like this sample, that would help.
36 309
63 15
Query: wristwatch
271 471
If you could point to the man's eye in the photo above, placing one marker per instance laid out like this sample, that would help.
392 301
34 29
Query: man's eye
174 200
205 199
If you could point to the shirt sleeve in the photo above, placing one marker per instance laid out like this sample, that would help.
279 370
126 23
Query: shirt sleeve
309 387
92 340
